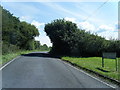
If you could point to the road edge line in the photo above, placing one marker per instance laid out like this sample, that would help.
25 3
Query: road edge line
8 63
89 75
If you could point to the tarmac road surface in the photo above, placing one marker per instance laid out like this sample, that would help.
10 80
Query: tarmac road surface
38 70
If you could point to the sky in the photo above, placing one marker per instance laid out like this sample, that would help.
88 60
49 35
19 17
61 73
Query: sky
97 17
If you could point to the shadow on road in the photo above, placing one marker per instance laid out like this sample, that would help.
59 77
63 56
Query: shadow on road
40 54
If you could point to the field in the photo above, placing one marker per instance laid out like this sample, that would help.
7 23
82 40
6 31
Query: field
95 64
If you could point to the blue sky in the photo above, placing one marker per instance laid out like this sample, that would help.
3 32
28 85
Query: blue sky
102 21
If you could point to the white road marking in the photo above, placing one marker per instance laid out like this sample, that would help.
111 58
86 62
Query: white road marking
89 75
9 63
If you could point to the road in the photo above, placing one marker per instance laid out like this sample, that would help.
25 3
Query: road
38 70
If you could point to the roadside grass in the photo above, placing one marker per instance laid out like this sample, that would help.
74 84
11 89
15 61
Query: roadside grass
6 58
95 64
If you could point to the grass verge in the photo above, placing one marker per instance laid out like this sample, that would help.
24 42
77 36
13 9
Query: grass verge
6 58
95 64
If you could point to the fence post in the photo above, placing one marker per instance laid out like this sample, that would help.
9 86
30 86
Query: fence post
116 64
102 62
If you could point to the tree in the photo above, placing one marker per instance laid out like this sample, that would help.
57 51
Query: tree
15 34
37 45
67 39
60 33
27 34
44 47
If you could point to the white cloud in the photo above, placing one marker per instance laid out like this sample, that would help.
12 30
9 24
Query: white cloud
25 18
106 28
82 25
108 32
42 37
37 24
86 26
44 40
70 19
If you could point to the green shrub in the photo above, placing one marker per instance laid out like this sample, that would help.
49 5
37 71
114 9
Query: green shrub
9 48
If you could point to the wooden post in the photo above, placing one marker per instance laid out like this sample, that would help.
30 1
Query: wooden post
116 64
102 61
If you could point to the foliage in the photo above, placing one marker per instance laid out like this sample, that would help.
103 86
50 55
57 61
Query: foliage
44 47
37 45
16 34
60 33
26 36
8 48
67 39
